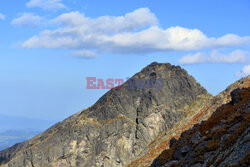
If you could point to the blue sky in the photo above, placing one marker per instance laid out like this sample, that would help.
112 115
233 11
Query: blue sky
49 47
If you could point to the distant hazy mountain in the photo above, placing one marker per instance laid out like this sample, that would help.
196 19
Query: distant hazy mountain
11 137
17 129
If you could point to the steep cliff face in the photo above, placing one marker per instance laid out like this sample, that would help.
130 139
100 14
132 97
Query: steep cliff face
222 140
120 126
201 110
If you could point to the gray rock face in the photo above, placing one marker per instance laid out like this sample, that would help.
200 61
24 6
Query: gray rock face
117 128
196 137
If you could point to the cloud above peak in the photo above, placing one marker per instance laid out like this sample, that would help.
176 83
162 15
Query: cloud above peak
46 4
237 56
86 54
134 32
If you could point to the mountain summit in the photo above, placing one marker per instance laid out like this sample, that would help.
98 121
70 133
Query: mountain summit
118 127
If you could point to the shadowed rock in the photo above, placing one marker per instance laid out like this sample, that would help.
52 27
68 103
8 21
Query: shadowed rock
222 140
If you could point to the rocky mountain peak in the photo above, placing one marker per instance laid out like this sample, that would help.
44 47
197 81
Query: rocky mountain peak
149 86
119 126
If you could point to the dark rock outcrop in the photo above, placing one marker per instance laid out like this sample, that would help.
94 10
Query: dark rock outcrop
118 127
222 140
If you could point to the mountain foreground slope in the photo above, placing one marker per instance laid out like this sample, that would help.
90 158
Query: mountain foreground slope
125 127
222 140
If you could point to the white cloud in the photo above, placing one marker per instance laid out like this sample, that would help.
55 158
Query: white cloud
27 20
46 4
244 72
193 59
135 32
84 54
132 21
231 40
2 16
237 56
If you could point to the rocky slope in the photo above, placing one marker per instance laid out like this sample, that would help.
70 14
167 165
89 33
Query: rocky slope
120 127
222 140
208 106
